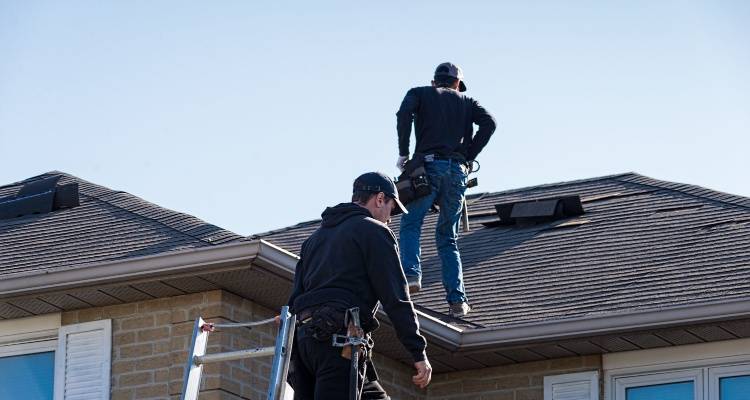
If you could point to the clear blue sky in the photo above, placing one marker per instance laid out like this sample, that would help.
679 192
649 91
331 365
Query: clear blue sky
256 115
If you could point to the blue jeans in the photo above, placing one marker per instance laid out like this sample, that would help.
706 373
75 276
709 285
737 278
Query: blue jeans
448 180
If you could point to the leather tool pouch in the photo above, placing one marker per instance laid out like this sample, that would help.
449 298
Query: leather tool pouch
325 321
413 183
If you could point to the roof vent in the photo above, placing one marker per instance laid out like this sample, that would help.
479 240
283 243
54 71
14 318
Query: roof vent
532 212
39 197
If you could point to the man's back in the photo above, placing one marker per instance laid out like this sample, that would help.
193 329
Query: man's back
443 120
352 259
333 258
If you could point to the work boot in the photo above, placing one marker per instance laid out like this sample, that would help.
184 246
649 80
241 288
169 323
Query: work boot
415 284
458 310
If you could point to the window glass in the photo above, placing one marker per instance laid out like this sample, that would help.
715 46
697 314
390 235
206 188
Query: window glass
666 391
27 376
734 388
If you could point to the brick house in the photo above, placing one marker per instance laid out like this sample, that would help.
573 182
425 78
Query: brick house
619 288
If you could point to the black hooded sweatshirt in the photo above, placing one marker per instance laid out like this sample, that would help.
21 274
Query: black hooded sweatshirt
353 260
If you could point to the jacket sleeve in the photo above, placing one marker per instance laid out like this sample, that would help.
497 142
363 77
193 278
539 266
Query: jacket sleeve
388 280
404 120
487 126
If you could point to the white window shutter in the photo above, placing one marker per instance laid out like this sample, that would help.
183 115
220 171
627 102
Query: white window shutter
578 386
82 361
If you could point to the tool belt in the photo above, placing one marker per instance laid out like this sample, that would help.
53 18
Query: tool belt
322 322
413 183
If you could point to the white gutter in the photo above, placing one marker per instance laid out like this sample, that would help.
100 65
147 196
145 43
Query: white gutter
600 325
278 261
176 263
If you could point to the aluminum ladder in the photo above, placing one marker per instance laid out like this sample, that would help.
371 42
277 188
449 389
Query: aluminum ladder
281 353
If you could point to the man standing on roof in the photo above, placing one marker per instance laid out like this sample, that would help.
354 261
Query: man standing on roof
351 260
446 144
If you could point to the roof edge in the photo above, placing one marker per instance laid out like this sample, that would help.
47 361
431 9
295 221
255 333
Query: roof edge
457 339
183 262
600 325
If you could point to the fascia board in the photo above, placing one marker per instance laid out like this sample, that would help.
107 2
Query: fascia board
601 325
183 262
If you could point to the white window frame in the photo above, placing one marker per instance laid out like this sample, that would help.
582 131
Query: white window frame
716 373
29 335
33 347
704 362
695 376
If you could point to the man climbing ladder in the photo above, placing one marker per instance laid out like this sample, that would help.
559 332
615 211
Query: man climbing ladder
350 262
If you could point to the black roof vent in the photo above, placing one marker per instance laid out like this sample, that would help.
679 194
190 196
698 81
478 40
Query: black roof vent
532 212
39 197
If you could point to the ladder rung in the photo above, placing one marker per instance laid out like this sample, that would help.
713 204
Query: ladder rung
242 324
234 355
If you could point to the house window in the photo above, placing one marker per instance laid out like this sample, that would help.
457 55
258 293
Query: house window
704 371
664 391
729 382
677 385
707 383
42 360
30 374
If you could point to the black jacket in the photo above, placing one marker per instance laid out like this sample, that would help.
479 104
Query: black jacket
444 119
353 260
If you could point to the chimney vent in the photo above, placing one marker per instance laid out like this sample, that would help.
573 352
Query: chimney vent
39 197
532 212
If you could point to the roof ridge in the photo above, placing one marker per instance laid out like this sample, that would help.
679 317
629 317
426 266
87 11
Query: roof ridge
46 174
690 190
471 196
115 192
284 229
562 183
154 219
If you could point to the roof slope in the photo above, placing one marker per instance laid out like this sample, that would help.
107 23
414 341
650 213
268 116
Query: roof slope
108 225
641 244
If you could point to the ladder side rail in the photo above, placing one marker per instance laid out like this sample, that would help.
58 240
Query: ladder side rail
280 366
192 379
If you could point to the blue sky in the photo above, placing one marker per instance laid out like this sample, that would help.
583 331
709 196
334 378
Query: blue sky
257 115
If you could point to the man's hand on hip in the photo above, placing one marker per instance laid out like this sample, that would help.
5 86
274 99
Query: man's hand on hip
424 374
401 162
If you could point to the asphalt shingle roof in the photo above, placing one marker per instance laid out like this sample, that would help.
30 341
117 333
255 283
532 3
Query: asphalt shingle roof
641 244
108 225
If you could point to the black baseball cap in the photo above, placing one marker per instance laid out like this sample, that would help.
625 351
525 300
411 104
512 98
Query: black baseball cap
379 182
452 70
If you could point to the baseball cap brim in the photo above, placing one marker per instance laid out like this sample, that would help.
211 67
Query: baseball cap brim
399 209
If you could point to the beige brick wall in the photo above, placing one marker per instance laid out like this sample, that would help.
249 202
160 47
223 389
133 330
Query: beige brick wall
523 381
151 338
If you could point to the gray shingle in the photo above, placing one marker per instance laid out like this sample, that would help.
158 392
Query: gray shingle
108 225
645 244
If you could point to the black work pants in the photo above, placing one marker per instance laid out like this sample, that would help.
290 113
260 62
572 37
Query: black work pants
318 372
